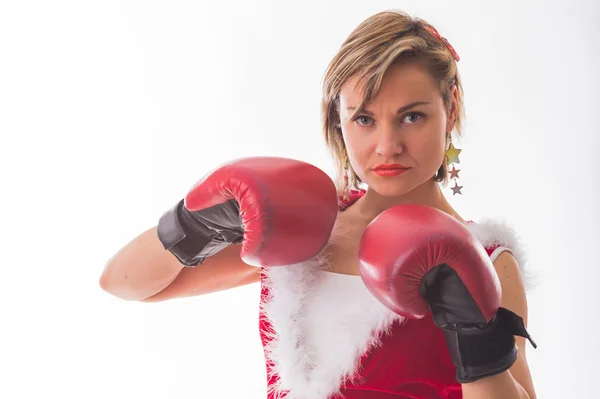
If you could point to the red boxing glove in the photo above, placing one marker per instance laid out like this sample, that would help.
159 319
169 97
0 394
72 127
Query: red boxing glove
281 210
416 259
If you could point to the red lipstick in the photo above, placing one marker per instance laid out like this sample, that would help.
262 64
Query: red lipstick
390 169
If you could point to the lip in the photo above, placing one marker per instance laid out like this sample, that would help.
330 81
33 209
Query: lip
389 166
390 170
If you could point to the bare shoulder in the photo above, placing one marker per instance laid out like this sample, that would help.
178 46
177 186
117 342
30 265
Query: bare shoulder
511 282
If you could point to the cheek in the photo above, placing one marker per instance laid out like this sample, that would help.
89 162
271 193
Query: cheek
429 149
359 149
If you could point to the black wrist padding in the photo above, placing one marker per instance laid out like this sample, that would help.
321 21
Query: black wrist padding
178 235
482 351
194 236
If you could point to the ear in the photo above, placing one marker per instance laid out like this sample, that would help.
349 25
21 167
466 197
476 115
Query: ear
451 120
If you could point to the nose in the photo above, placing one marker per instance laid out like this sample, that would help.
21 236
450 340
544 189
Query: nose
389 141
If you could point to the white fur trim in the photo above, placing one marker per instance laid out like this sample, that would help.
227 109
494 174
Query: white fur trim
493 233
322 323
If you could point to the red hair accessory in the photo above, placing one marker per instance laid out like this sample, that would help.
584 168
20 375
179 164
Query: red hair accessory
445 41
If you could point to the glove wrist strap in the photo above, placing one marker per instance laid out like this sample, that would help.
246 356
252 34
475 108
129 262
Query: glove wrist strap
183 236
479 352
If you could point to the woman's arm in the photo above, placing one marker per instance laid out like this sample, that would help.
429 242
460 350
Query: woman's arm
515 383
499 386
144 271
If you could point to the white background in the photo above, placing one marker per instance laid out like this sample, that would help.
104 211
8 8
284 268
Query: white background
110 110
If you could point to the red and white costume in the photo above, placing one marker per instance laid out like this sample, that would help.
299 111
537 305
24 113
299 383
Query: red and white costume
326 336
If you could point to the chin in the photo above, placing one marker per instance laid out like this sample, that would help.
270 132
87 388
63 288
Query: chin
395 186
390 188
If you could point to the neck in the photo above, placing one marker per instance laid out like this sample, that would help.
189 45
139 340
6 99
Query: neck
428 194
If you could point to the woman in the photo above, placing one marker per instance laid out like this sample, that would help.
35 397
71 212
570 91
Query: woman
392 98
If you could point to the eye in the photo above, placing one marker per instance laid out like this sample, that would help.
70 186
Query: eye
363 120
414 117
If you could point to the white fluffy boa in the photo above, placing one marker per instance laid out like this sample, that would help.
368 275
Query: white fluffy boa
322 323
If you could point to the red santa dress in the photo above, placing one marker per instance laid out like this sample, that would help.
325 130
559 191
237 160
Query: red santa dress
325 336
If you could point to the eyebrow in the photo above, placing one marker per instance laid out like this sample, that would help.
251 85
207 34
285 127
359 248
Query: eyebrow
400 110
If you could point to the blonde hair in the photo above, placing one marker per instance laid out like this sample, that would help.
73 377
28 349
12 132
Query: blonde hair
377 43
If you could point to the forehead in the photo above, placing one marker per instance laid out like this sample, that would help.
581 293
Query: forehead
401 82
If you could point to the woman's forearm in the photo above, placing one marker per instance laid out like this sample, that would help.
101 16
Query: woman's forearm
499 386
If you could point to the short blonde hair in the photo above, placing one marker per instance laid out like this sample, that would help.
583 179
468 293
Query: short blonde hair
377 43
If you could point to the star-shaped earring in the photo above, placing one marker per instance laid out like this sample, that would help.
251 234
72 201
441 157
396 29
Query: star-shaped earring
454 173
456 189
452 154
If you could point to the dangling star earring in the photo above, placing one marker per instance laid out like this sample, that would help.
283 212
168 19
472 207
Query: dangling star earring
347 182
451 159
